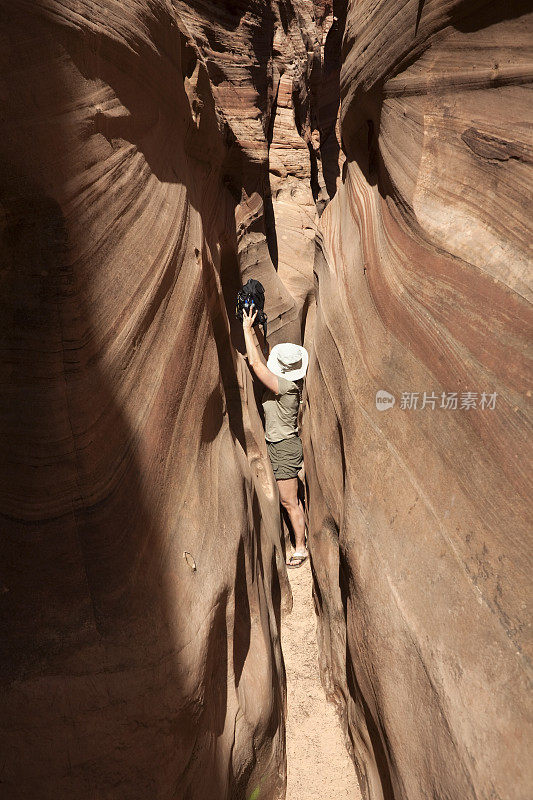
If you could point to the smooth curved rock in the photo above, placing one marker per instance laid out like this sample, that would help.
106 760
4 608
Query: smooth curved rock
154 157
142 573
421 519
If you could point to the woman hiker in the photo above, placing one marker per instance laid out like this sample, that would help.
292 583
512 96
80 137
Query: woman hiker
286 364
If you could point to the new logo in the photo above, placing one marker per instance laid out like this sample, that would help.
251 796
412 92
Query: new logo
384 400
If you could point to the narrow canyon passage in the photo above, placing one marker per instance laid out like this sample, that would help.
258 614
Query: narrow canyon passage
318 764
370 163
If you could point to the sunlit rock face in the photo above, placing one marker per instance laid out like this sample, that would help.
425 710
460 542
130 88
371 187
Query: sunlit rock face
419 517
154 156
141 578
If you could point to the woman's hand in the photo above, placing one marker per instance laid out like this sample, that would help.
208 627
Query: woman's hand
254 359
248 319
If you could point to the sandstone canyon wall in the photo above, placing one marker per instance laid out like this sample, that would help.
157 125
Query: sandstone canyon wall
421 518
154 155
142 573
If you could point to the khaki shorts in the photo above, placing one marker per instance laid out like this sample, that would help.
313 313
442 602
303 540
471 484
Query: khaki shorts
286 457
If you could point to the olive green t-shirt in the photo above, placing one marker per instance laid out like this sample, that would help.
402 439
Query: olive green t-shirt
281 411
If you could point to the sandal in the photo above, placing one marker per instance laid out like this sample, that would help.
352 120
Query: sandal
296 560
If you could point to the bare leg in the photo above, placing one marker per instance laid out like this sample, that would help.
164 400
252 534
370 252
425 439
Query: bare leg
288 495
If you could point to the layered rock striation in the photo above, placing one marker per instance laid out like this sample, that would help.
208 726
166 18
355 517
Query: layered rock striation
155 155
142 573
420 512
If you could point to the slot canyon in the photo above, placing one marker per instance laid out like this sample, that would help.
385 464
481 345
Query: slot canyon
369 161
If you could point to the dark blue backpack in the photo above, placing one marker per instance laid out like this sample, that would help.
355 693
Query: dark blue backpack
252 293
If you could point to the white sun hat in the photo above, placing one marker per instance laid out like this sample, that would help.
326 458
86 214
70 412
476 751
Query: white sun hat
288 361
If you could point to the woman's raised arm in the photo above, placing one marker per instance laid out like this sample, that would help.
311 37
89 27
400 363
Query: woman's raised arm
254 359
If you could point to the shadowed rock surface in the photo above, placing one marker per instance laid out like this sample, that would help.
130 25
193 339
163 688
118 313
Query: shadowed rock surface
154 156
421 519
142 574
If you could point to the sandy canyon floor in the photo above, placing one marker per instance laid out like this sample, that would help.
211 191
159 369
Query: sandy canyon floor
319 767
